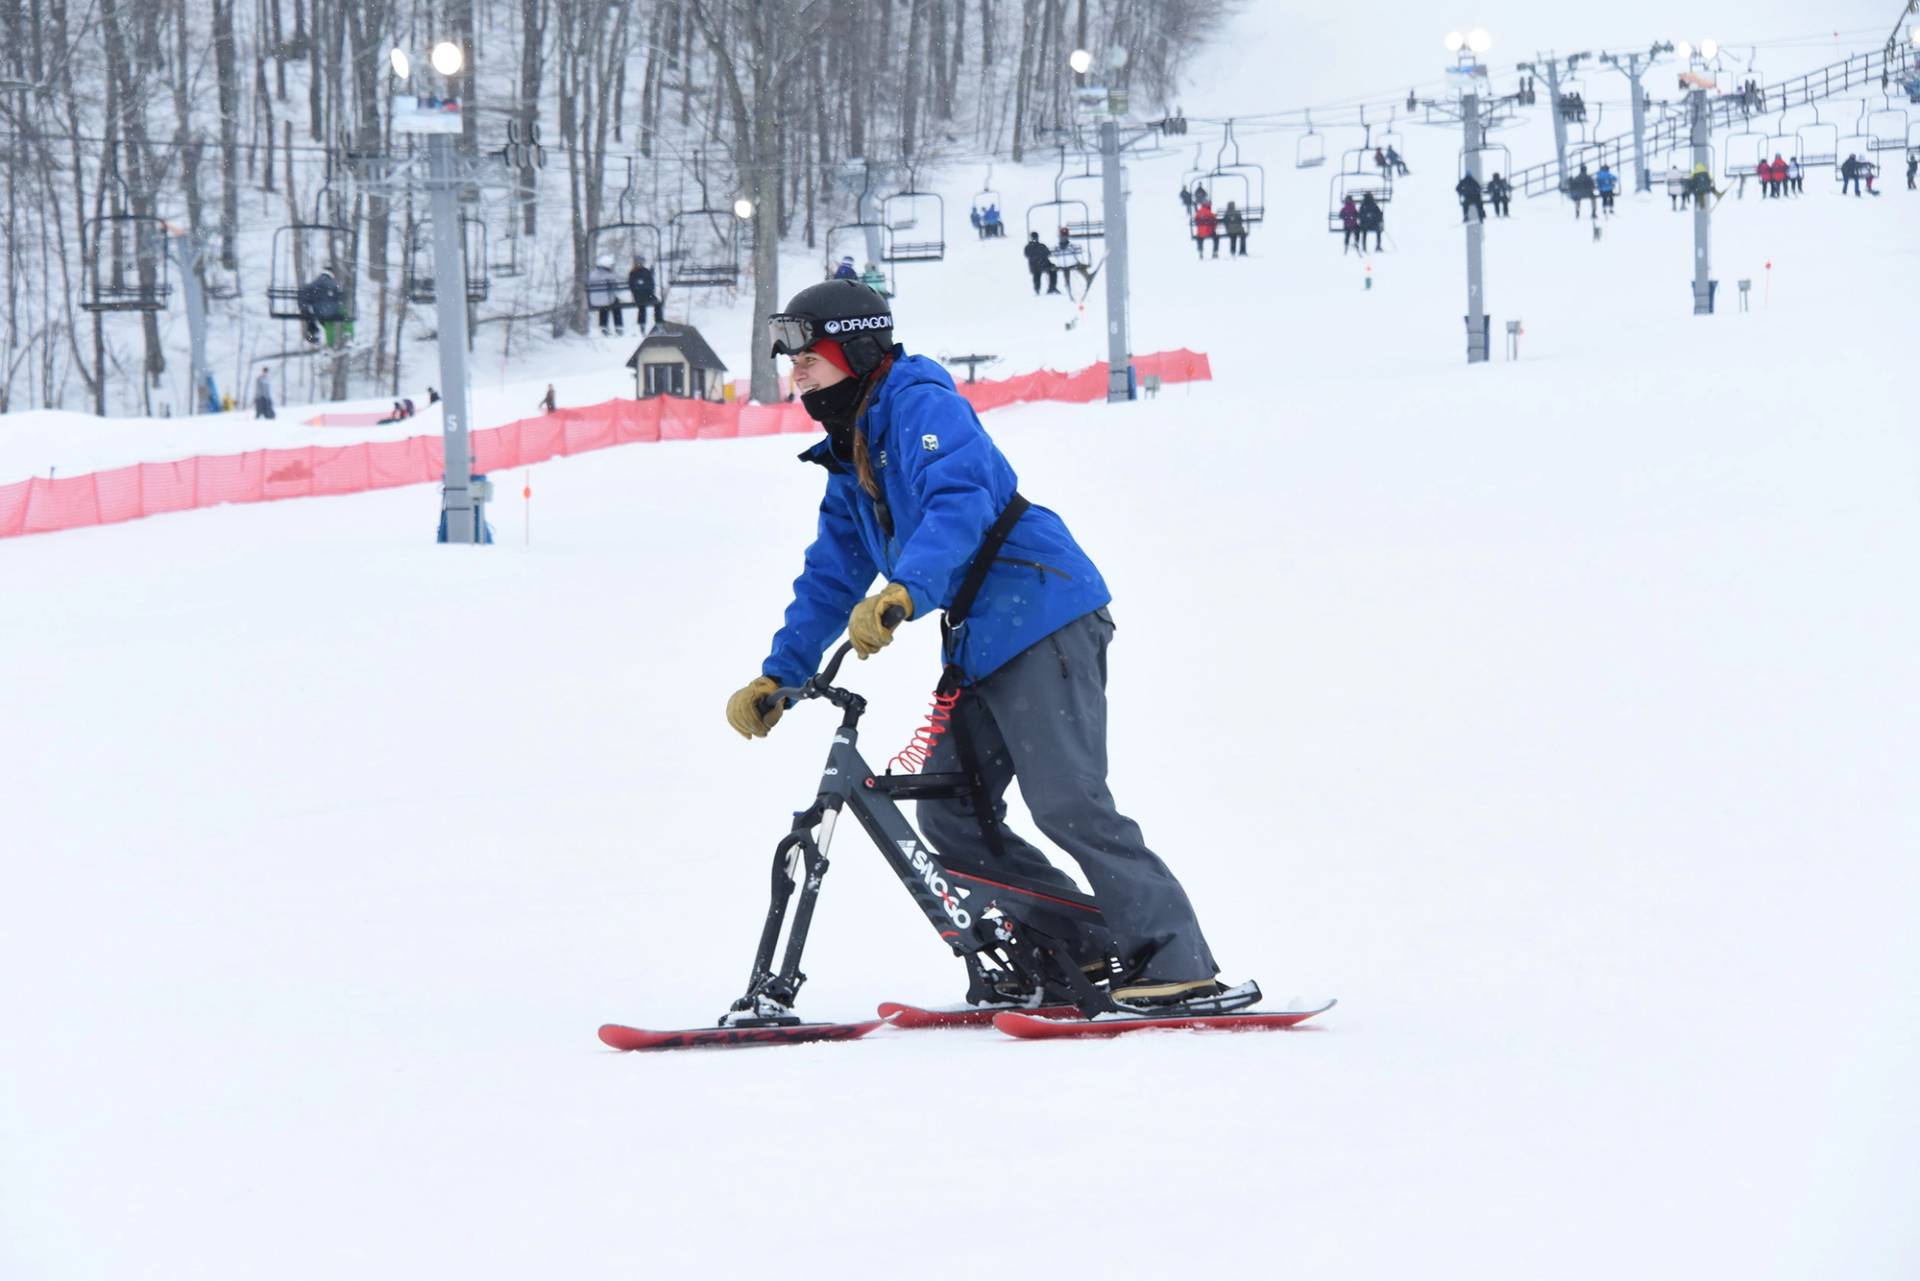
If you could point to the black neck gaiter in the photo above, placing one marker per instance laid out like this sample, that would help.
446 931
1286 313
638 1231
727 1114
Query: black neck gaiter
833 408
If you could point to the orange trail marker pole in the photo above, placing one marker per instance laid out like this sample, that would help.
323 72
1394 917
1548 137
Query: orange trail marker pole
1769 299
526 493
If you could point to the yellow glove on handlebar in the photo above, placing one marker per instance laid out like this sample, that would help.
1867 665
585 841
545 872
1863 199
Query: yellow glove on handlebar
744 716
864 628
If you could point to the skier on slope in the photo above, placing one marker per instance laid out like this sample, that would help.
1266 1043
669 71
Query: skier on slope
917 491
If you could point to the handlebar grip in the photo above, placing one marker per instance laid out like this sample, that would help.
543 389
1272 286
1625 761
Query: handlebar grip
892 616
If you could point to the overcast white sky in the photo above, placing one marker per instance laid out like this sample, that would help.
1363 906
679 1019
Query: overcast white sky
1283 53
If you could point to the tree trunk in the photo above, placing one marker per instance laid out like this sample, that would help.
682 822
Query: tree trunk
226 69
533 37
1023 82
910 100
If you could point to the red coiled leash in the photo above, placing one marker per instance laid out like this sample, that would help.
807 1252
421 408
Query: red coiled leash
916 753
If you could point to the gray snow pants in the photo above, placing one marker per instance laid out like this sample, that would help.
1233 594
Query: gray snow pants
1043 717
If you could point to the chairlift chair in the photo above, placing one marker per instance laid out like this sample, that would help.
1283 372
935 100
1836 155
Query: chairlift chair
1819 144
1573 87
418 277
1359 160
706 246
126 267
1358 185
1050 216
864 234
1088 193
922 216
1355 185
622 242
1252 177
1784 145
987 198
1745 151
1311 151
1494 158
1225 186
1887 129
300 251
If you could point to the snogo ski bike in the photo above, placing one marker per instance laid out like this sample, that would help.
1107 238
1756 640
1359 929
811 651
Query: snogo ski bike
1021 979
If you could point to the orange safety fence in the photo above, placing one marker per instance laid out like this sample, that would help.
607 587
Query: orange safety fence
43 505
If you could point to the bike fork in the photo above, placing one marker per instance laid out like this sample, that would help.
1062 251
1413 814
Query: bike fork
799 861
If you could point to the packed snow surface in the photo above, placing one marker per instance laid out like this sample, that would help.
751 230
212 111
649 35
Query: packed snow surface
1555 715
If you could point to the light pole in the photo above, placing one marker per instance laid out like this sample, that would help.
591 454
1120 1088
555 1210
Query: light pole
1113 200
1467 49
1633 66
460 516
1698 82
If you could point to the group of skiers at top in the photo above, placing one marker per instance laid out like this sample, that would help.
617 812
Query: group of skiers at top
873 278
1065 258
323 309
1209 225
986 222
1596 190
603 296
1778 177
1473 197
1357 220
1389 158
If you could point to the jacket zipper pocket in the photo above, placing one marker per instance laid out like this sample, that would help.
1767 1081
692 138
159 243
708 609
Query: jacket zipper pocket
1059 653
1032 564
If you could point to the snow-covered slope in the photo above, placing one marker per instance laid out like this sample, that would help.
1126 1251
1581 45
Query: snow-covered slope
1552 714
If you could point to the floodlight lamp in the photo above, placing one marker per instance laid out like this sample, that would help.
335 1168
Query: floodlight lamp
1913 36
447 58
743 209
1080 60
1709 48
1479 40
1454 42
401 64
1684 49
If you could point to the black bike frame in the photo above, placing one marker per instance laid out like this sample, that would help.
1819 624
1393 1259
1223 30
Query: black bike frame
978 917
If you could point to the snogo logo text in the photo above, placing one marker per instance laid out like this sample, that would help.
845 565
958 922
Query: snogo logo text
931 877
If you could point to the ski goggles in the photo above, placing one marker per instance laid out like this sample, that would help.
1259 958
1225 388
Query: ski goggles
790 335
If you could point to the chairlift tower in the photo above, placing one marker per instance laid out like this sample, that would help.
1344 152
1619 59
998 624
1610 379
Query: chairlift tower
449 177
1473 112
1551 65
1633 66
1702 214
1110 105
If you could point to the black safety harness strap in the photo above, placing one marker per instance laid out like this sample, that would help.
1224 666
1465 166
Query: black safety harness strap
950 680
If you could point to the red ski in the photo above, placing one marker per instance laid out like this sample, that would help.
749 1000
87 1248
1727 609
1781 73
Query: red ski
1027 1028
621 1037
915 1017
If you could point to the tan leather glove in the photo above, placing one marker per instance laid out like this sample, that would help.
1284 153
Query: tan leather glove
745 717
864 629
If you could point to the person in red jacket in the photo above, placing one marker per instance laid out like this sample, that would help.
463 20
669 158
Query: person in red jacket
1205 224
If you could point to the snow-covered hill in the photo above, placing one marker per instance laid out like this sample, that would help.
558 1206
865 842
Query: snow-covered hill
1552 714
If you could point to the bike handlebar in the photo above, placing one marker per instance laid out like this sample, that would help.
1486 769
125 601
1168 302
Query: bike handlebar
817 685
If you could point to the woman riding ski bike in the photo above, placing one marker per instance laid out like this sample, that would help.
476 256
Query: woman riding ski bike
917 491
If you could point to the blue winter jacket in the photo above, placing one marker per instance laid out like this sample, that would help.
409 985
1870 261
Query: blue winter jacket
944 482
1607 181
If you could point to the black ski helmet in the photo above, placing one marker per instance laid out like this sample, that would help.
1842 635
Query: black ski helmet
846 311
